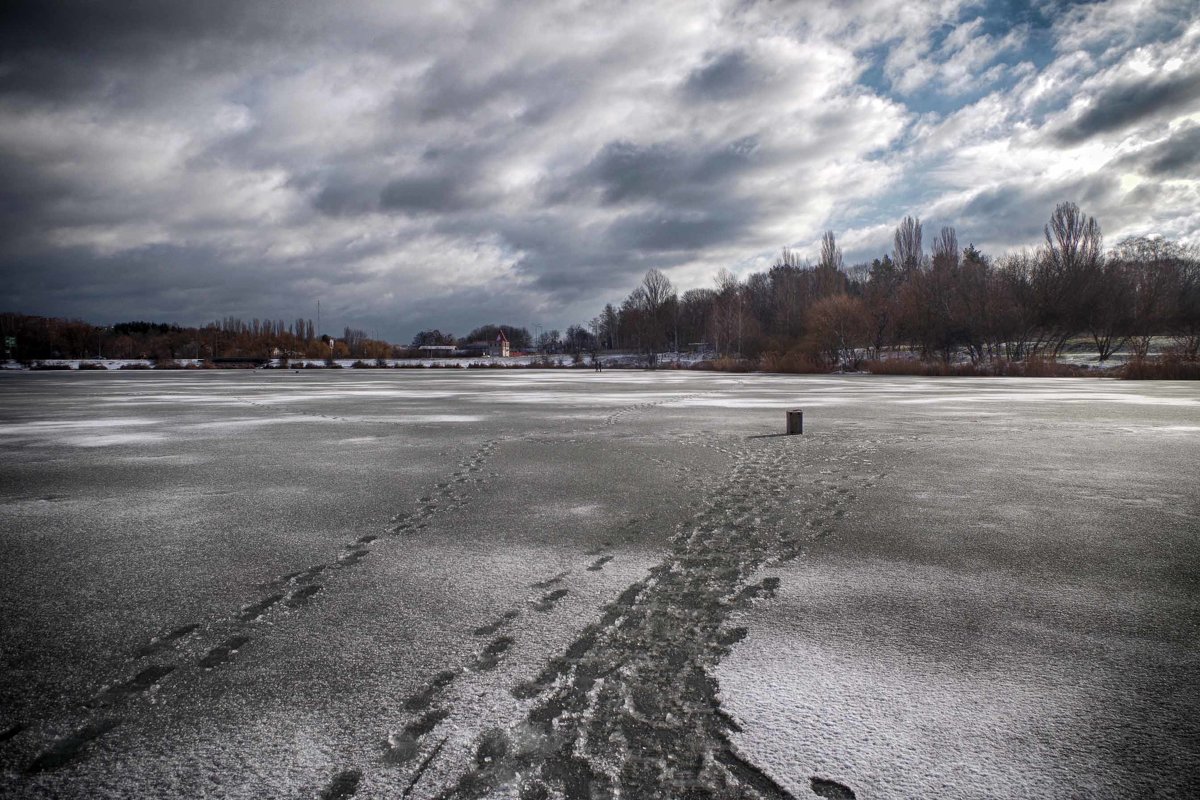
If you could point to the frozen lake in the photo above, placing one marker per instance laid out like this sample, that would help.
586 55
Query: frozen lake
568 584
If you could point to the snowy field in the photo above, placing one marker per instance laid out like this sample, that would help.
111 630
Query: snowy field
537 584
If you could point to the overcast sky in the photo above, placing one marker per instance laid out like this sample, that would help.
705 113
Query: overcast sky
450 164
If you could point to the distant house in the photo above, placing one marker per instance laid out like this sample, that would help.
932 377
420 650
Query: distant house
500 346
476 349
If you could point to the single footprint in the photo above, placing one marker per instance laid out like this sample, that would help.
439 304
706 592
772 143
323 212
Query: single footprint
490 657
546 584
424 698
352 558
492 627
256 610
549 601
9 733
302 595
223 652
135 685
160 643
404 746
831 790
343 785
70 745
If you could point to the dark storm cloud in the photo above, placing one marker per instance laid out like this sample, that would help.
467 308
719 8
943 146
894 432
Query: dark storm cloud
626 171
1126 104
66 49
724 76
418 193
168 282
535 90
1176 157
672 231
345 198
568 266
96 26
1022 209
448 180
24 190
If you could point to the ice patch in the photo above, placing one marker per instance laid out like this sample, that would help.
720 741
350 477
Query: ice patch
178 459
1142 429
52 427
1052 397
237 424
111 439
749 402
82 433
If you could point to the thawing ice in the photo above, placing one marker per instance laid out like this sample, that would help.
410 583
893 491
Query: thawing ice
65 426
111 439
987 585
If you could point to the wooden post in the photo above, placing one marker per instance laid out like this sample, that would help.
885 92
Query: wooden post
795 422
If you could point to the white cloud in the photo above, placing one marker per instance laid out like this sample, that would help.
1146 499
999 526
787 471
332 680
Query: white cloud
467 161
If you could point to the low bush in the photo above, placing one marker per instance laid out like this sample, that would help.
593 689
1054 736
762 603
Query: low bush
1166 368
725 364
1049 368
1000 368
793 362
92 365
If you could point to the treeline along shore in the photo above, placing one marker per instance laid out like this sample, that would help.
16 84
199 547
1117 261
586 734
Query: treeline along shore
949 310
1068 307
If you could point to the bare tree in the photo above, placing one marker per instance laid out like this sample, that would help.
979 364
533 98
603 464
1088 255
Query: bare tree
1067 273
354 339
829 278
907 251
1072 240
931 295
840 330
789 258
1109 309
729 311
831 254
652 307
1185 312
657 290
880 299
1152 269
945 249
1015 328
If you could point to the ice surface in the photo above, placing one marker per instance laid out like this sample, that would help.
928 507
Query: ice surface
278 584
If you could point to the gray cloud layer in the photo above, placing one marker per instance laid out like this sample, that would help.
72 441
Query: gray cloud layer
1128 103
526 162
